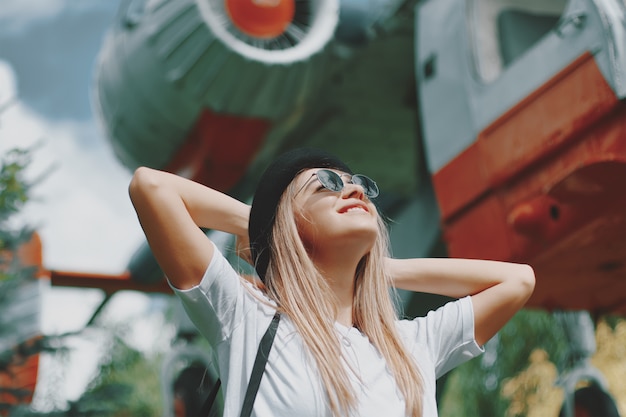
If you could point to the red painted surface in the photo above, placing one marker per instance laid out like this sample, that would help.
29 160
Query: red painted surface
219 149
107 283
546 184
261 18
20 377
31 254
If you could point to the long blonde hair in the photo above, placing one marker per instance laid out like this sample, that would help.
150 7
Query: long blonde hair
303 294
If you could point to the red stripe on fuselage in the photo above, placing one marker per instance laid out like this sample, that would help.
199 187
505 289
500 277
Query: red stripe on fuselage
219 149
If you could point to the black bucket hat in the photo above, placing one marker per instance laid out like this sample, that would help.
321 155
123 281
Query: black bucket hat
272 184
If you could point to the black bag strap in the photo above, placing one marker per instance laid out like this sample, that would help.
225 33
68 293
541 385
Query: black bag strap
259 366
257 372
208 403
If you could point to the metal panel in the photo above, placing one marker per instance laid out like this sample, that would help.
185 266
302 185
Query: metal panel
442 67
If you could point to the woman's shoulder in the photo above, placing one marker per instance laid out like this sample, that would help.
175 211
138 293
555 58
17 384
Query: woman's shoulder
250 284
223 279
446 334
440 318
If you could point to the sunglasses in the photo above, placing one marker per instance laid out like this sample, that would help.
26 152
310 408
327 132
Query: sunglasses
333 182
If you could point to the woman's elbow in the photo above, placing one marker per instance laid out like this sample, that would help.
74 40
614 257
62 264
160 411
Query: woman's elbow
142 181
526 279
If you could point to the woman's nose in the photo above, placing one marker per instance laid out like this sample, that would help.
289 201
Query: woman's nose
351 190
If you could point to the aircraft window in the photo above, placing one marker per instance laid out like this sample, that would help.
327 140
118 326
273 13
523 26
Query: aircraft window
502 30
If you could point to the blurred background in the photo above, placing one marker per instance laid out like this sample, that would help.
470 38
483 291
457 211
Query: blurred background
493 127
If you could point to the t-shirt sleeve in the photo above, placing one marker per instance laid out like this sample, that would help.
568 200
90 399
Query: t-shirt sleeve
217 304
448 334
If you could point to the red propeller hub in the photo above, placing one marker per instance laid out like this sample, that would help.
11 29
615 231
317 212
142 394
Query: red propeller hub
261 18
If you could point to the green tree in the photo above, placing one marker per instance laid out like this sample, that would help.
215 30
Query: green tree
13 196
14 191
127 385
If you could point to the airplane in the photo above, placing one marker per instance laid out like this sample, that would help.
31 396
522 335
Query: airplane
494 128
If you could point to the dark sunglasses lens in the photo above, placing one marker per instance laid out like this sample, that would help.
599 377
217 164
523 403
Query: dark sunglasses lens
369 186
330 180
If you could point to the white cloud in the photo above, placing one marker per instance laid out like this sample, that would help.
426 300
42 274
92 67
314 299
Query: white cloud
81 209
8 83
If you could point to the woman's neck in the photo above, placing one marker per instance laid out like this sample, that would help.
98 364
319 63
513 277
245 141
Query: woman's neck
340 277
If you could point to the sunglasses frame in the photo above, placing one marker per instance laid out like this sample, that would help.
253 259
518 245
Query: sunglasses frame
362 180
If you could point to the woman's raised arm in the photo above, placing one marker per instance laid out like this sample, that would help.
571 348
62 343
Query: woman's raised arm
171 210
498 289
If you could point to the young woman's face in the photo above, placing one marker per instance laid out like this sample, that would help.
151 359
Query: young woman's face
331 219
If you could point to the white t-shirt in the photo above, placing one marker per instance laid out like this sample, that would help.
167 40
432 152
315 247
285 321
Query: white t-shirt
233 321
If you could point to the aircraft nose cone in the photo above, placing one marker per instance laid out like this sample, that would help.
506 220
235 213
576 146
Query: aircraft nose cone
261 18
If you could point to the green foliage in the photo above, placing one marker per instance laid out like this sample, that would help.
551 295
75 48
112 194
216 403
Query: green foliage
127 384
103 400
13 196
474 388
13 186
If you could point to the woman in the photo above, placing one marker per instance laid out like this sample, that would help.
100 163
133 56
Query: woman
320 250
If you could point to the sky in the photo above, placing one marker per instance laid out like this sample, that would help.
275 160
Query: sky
81 209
